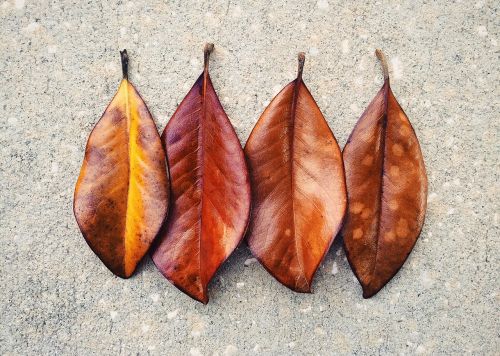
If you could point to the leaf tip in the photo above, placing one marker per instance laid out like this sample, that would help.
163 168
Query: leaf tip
124 276
369 291
202 298
120 272
302 285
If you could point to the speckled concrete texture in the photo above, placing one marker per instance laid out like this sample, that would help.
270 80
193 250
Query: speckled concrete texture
59 68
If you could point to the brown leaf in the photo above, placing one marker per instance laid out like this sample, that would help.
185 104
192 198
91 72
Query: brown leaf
121 195
298 186
210 190
387 190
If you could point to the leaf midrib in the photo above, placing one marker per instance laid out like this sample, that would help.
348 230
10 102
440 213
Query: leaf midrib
293 112
385 123
201 158
127 113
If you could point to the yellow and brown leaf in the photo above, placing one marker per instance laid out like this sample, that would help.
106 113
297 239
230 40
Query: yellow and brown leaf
121 195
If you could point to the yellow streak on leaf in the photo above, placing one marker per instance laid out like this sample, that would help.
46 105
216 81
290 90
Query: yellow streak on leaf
134 247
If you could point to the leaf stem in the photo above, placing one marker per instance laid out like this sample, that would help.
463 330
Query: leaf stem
383 61
209 47
124 57
302 59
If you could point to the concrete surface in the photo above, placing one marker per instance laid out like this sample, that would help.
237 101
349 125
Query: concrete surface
60 66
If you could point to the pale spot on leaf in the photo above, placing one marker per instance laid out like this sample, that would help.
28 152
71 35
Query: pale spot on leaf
397 149
357 233
393 204
367 160
402 229
366 213
389 236
404 131
356 207
394 171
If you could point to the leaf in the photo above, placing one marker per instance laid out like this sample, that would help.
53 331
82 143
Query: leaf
210 190
387 189
121 195
298 186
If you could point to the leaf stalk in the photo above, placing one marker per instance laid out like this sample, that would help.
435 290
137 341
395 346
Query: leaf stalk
124 58
301 59
383 61
209 47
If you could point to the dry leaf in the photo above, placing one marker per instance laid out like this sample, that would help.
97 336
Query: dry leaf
387 190
210 190
298 186
121 195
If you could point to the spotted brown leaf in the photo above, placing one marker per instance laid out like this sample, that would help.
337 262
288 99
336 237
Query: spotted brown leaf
386 188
